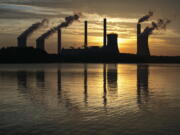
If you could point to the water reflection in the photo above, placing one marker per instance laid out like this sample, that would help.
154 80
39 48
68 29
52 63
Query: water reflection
142 83
22 79
85 84
59 82
71 98
40 79
112 77
104 85
109 84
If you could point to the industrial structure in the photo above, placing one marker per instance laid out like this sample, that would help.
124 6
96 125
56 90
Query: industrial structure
59 41
110 41
22 38
40 43
105 32
22 41
109 48
142 42
85 34
112 45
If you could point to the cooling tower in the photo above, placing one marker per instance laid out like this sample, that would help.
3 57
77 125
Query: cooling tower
143 45
112 45
142 42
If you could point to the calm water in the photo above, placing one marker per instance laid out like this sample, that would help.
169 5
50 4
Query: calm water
90 99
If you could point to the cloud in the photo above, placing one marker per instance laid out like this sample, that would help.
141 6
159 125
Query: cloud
13 11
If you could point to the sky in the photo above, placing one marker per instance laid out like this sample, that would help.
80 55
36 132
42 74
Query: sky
122 16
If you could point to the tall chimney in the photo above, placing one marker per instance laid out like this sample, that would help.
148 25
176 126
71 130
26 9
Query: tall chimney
105 32
85 34
40 44
22 42
138 39
59 42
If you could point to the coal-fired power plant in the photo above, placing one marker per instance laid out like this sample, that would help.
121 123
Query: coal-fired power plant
110 41
22 39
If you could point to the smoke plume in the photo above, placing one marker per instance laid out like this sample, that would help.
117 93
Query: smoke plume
146 17
68 21
33 28
160 24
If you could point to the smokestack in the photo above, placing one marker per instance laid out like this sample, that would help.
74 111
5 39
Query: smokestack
105 32
67 22
59 42
22 39
22 42
40 43
138 40
85 34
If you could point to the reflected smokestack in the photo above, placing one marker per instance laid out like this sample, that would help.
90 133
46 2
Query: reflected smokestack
22 79
59 41
85 84
59 82
104 84
85 34
142 83
40 79
105 32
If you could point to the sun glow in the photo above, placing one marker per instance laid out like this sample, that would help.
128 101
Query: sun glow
96 40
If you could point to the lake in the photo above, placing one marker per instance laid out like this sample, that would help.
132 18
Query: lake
90 99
